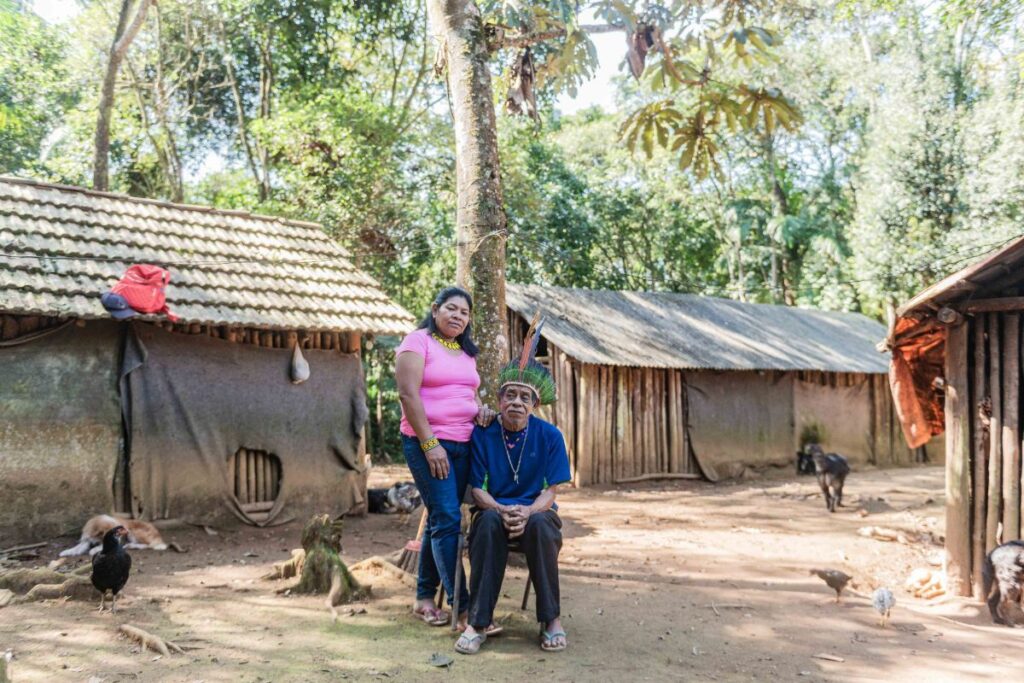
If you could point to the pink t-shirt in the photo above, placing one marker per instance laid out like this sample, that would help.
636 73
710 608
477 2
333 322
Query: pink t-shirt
449 387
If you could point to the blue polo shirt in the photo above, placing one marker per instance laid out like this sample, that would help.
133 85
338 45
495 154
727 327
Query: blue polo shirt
545 462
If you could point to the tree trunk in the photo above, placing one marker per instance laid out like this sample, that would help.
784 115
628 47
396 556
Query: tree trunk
321 542
480 216
124 34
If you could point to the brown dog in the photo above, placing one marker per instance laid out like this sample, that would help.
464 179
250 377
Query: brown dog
140 535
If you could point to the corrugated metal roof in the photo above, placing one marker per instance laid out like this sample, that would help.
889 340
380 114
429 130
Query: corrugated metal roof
661 330
61 247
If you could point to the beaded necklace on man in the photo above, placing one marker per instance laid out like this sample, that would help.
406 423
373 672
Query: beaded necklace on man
510 443
446 343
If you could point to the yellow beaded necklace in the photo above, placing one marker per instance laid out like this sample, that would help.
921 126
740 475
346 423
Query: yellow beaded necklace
453 345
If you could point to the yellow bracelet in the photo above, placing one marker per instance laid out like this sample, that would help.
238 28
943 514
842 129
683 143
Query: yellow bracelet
432 442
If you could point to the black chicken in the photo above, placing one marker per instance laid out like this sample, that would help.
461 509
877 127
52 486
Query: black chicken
111 566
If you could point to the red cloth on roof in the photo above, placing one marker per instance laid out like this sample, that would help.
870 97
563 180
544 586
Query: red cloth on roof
143 287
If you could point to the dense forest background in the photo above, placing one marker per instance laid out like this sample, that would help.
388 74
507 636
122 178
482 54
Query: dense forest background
907 163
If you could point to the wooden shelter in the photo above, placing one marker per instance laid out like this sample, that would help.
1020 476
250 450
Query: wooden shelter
675 385
195 418
956 368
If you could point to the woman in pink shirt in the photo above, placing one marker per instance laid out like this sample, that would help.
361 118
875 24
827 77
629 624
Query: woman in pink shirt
437 386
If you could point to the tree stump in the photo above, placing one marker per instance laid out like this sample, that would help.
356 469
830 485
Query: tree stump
321 539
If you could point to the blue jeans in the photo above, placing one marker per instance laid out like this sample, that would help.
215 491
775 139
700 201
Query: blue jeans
443 498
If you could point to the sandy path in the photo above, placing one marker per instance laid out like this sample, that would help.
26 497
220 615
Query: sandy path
641 569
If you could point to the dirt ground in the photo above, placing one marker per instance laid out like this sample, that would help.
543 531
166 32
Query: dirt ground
664 581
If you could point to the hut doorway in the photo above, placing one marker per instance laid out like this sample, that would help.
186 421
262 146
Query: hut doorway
257 481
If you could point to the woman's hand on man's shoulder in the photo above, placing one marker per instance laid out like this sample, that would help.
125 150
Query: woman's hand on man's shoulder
485 416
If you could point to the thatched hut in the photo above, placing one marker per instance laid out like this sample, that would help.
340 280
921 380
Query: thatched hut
956 368
196 419
655 384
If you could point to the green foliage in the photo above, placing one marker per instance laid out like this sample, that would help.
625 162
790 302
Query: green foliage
680 45
877 149
32 87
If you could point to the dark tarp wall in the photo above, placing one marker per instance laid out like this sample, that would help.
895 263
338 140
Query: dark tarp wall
843 413
740 419
60 430
193 401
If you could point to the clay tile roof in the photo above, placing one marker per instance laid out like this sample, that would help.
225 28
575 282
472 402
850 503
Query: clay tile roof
61 247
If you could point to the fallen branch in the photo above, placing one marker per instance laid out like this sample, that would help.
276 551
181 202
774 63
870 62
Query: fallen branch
147 639
736 606
656 475
882 534
29 546
828 657
286 569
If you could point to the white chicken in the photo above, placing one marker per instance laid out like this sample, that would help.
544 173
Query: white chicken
883 601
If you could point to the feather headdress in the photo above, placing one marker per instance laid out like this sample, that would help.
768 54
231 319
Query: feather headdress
526 370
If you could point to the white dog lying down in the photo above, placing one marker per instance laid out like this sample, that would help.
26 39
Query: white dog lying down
140 535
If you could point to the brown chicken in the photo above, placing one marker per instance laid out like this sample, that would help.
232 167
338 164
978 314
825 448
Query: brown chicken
834 579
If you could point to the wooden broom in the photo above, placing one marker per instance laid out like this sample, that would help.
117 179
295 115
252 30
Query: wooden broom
409 560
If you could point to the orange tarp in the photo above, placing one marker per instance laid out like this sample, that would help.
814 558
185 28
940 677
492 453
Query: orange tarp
918 358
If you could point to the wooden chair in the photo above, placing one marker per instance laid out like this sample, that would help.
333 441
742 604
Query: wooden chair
513 547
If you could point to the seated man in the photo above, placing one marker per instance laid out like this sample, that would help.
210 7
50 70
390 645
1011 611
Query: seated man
516 465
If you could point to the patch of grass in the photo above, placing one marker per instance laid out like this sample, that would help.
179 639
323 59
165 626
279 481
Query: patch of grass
812 432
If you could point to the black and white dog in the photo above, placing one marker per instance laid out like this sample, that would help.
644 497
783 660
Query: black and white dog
1003 580
804 463
401 497
831 470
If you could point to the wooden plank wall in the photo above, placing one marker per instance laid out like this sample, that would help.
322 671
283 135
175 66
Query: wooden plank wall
618 422
888 447
628 422
983 442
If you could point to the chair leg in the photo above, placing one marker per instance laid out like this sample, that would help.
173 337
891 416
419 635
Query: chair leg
455 587
526 593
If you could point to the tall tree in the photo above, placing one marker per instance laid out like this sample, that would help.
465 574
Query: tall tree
687 42
480 216
124 34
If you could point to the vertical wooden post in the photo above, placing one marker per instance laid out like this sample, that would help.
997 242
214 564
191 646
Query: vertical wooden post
958 457
979 398
625 417
584 428
1020 464
672 389
993 510
1011 427
652 443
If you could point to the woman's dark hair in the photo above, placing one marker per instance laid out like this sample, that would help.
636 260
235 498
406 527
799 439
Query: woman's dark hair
466 338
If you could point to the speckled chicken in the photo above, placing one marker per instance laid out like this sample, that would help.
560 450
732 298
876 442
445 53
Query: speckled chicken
834 579
883 601
111 566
